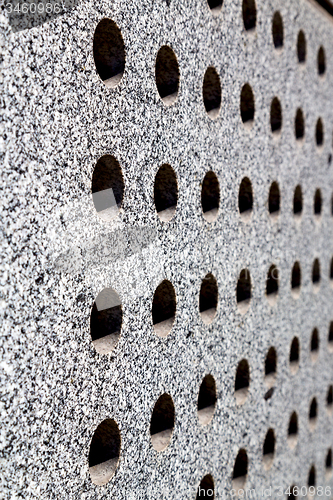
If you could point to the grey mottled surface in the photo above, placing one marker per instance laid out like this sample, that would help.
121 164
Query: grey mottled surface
57 254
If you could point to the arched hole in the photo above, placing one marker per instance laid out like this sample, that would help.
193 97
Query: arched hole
107 187
293 430
294 355
291 493
249 14
314 346
104 452
244 291
206 488
215 6
242 381
331 270
270 367
298 201
321 61
274 199
211 92
317 203
277 30
313 414
245 199
162 422
247 105
239 475
301 47
312 479
319 132
272 285
167 75
269 449
206 400
328 464
299 125
106 320
316 275
276 116
208 298
164 308
210 196
296 279
332 205
109 52
165 192
330 337
329 399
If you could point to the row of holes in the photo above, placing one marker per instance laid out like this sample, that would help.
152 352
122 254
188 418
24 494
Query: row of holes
105 445
106 314
109 57
108 192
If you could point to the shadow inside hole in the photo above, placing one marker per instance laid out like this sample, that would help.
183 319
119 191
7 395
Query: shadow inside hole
277 30
109 52
206 488
328 465
296 278
211 92
299 125
313 414
294 355
206 400
164 308
165 192
215 6
104 452
316 275
247 105
329 399
167 75
242 381
272 285
274 199
249 14
298 201
245 199
293 430
106 320
208 298
301 47
321 61
244 291
107 187
162 422
210 196
312 481
319 133
276 116
270 367
239 475
314 346
269 449
317 203
330 336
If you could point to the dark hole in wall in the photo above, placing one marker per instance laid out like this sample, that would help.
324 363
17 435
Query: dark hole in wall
301 47
329 397
271 362
294 351
317 202
321 61
107 186
244 286
276 115
328 461
105 443
207 392
211 92
242 380
272 282
274 199
208 293
106 315
330 333
277 30
314 341
206 488
215 5
312 477
247 104
319 132
167 74
109 51
293 425
165 188
269 443
316 272
163 417
313 409
299 125
298 200
164 302
296 276
210 193
249 14
241 465
245 196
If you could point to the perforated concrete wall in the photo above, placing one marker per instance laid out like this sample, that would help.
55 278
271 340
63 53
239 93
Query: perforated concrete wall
167 319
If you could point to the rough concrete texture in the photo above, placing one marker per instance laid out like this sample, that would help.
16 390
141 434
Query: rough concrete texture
58 254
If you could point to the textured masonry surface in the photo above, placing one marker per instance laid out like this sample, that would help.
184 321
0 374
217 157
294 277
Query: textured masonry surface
58 254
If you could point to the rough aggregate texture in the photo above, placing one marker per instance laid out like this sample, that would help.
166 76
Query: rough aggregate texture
57 253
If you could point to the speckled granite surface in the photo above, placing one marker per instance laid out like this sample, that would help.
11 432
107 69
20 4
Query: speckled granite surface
58 254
